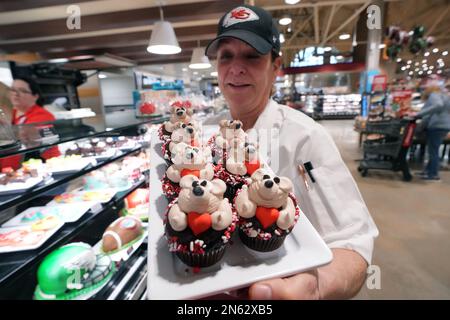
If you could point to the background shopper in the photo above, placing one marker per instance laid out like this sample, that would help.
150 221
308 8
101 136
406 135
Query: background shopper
435 116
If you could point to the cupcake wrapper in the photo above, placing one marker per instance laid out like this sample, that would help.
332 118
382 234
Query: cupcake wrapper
166 152
170 189
201 260
218 154
231 190
163 134
261 245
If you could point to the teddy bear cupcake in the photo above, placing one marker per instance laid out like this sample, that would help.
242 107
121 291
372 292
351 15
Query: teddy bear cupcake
200 222
180 111
187 160
229 131
187 133
267 211
241 162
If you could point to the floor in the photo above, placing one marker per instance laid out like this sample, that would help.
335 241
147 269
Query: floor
412 250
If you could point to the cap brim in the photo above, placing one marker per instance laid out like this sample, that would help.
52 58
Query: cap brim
252 39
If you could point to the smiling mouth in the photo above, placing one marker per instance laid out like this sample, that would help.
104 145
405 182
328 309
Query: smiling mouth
234 85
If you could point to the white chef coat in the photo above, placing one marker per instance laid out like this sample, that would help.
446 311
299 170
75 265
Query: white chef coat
333 204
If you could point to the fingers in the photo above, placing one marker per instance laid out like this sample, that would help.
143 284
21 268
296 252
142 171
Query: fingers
299 287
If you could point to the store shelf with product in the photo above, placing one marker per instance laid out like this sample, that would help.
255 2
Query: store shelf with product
82 202
329 106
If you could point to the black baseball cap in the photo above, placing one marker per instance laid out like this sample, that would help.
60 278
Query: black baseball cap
251 24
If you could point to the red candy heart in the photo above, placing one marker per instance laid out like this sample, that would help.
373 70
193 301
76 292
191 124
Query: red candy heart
252 166
186 172
267 216
199 222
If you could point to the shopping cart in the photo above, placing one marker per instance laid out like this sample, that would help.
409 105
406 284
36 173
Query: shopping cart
388 152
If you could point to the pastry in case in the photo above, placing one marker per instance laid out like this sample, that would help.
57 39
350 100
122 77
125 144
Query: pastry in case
137 204
72 272
122 234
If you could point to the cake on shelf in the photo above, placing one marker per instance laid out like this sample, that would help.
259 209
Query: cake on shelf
72 272
122 234
137 204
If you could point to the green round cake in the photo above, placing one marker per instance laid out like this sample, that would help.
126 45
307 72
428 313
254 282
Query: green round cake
72 272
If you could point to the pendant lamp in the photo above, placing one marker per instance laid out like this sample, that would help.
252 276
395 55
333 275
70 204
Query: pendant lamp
163 39
199 60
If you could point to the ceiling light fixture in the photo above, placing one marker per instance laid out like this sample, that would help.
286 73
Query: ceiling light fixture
444 53
199 60
284 21
435 50
344 36
292 1
58 60
282 38
426 54
163 39
214 74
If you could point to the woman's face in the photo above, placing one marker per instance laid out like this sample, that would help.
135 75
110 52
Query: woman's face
21 96
245 76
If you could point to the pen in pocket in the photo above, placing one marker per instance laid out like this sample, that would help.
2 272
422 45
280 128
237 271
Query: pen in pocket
309 167
302 170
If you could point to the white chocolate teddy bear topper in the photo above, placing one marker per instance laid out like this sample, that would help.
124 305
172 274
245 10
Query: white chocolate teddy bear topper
229 129
184 132
243 158
200 206
190 160
178 114
268 199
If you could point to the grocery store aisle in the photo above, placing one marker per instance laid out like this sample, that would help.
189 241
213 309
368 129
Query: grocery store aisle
414 223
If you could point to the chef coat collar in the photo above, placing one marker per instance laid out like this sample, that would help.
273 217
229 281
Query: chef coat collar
271 117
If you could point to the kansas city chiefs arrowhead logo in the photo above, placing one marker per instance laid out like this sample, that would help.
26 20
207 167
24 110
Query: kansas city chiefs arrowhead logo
239 14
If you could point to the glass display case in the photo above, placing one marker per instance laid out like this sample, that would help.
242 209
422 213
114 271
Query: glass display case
49 202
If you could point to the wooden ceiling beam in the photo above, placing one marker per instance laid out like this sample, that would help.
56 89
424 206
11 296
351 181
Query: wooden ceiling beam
163 61
123 50
117 20
13 5
130 39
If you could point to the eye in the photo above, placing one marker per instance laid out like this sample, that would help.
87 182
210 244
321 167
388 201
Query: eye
183 126
253 56
266 176
204 183
246 144
194 184
277 180
225 55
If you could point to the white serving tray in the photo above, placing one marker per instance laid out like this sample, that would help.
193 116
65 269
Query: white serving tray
74 168
169 278
17 187
66 212
78 195
47 235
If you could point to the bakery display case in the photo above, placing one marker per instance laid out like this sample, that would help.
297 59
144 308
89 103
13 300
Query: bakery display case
74 226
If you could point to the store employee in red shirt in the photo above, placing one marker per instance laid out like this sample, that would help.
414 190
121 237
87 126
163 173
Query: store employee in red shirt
24 94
